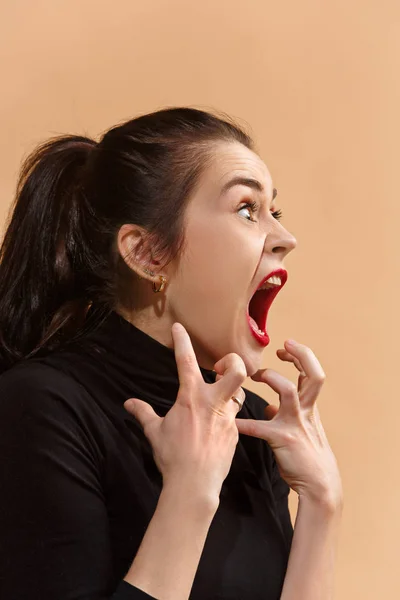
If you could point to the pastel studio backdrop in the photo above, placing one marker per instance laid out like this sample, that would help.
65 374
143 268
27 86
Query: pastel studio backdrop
319 85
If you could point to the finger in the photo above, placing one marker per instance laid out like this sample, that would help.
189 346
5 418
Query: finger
142 411
286 356
186 361
288 396
233 372
239 393
255 428
311 367
305 357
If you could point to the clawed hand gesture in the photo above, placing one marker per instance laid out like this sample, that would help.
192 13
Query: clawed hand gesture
294 429
195 442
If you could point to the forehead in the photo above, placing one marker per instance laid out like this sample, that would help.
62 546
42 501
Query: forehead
232 159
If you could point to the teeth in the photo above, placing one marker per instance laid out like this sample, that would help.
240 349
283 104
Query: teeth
255 326
275 280
271 281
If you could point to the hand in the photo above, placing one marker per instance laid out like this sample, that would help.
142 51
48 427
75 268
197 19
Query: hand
194 444
294 430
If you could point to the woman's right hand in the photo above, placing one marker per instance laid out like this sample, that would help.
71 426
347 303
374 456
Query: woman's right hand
194 444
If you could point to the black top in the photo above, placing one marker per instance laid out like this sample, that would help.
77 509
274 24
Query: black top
79 485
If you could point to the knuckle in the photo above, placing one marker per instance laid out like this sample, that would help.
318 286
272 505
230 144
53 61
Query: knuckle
239 366
242 372
289 438
290 389
185 400
319 378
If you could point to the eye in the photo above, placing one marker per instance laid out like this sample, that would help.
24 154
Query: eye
277 214
251 207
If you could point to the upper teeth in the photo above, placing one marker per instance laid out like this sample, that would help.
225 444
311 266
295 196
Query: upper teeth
271 281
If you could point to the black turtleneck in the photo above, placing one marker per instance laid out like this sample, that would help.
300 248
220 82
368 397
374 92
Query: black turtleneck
79 484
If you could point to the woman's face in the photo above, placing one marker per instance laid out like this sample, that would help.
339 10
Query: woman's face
231 248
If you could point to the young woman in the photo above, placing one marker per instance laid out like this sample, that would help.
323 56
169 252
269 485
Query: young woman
143 267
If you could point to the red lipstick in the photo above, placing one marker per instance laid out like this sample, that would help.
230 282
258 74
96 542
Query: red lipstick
260 304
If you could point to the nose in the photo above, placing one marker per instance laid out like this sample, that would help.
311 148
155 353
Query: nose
280 242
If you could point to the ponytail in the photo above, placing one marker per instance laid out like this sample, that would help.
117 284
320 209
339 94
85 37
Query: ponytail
60 256
41 293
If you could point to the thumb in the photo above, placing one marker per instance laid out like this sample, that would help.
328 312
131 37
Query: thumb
142 411
253 427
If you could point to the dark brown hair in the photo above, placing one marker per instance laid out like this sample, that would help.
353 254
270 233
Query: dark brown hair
73 194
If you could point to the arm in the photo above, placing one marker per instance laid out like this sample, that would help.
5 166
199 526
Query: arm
54 540
167 560
281 491
306 462
310 572
53 522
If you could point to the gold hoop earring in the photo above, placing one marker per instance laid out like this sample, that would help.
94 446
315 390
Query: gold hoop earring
162 284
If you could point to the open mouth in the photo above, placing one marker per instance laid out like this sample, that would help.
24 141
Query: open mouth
260 304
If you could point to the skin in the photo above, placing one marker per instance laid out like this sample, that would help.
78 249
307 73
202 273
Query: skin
227 255
229 250
202 420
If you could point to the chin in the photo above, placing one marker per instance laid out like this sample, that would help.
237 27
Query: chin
252 359
252 365
242 344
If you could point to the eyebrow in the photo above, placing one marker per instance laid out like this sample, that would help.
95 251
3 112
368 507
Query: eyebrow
249 182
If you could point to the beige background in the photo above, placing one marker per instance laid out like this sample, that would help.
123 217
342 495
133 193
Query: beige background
318 82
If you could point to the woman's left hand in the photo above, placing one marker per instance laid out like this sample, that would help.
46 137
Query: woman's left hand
294 430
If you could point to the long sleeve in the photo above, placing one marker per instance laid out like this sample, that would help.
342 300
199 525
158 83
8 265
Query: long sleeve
54 541
281 492
126 591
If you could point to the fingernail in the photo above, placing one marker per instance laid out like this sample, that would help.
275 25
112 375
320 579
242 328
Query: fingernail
291 342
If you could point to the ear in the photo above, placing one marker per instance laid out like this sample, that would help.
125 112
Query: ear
135 249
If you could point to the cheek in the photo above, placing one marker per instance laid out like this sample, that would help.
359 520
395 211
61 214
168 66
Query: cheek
215 276
228 253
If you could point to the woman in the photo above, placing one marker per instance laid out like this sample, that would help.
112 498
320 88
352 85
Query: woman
143 267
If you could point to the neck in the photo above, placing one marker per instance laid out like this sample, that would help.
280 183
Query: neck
159 328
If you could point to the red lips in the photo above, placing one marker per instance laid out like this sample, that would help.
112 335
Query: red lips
282 273
260 304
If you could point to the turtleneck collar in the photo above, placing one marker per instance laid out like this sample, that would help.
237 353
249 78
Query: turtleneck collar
137 357
114 360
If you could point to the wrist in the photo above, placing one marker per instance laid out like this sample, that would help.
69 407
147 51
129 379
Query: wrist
189 500
323 501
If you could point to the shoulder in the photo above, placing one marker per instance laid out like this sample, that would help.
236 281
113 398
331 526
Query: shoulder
33 387
42 407
36 376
